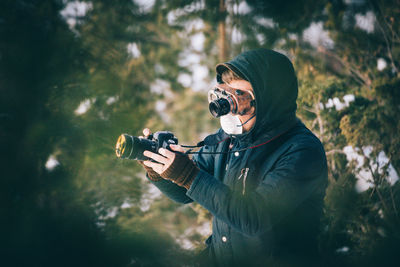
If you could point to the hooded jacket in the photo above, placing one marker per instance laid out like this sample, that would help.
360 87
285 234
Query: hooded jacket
266 194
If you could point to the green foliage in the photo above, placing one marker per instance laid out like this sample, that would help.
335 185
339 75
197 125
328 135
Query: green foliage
95 205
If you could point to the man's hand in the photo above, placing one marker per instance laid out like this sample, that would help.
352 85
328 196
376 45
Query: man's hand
151 174
164 159
176 167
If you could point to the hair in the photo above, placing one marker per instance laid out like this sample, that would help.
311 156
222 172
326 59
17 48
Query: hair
228 75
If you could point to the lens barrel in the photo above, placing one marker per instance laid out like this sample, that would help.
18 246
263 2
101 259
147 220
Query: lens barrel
132 147
123 145
219 107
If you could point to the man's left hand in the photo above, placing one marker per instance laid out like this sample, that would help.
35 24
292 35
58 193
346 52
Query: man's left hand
176 167
163 160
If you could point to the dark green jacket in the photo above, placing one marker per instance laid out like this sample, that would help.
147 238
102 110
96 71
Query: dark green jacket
266 200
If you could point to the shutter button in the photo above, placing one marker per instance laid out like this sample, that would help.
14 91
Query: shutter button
224 239
236 154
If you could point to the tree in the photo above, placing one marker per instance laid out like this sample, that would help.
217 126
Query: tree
68 90
57 152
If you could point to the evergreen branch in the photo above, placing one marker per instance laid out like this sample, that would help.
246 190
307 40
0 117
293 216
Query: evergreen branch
333 151
358 77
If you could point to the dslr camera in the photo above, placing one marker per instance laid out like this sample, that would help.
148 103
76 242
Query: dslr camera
132 147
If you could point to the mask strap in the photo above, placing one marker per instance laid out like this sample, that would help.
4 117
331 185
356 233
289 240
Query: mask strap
246 121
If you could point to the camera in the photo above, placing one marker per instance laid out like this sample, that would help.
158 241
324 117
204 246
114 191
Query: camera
220 107
132 147
224 99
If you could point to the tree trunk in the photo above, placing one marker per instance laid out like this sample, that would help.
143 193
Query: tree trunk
222 46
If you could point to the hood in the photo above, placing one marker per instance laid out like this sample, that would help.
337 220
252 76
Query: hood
274 82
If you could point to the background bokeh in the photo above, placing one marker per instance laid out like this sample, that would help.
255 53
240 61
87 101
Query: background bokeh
74 75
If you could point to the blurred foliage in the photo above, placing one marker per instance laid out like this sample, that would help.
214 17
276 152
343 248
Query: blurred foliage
123 62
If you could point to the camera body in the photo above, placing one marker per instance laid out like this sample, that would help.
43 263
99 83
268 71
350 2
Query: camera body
132 147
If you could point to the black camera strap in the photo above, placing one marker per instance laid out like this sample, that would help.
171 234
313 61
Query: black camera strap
227 152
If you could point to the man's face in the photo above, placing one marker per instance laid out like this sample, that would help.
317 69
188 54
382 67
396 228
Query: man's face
245 85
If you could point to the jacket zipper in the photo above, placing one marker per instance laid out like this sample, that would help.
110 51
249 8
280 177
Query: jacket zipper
228 157
243 173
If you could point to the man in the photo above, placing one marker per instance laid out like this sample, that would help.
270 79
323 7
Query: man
262 175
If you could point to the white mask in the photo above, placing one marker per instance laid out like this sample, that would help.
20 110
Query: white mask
231 124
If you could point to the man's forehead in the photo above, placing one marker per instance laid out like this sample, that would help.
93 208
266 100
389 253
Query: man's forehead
230 89
235 86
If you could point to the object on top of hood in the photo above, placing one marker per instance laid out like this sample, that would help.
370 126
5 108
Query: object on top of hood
274 82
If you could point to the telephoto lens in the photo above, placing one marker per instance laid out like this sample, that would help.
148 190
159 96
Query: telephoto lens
132 147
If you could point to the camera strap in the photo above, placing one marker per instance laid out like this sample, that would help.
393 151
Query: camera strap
230 151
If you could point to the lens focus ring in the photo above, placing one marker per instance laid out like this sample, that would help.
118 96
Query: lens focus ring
219 107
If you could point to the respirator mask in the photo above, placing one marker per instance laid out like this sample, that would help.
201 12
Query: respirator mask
227 103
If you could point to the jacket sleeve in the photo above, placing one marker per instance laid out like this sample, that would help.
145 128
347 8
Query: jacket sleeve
297 175
205 161
172 191
178 194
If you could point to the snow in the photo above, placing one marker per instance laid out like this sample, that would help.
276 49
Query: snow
173 15
260 38
111 100
191 60
126 204
338 105
381 64
237 36
317 36
243 8
366 22
160 107
266 22
348 98
187 58
83 107
133 50
75 10
200 73
185 79
159 87
364 177
111 213
335 102
148 197
197 41
194 25
145 6
184 239
343 250
52 163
